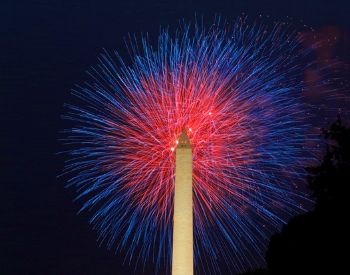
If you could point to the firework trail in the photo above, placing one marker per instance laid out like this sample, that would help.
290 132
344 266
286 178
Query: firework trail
237 91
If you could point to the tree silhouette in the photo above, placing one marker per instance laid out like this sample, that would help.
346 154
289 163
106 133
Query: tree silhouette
318 242
330 181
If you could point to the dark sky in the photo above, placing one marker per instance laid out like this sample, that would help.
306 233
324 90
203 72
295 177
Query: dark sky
45 48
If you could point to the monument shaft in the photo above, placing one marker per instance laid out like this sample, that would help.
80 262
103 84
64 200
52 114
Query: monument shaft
182 260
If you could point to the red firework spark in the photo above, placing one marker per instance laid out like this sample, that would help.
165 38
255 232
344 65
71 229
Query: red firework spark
198 102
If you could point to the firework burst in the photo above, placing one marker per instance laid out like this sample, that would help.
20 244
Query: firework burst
236 89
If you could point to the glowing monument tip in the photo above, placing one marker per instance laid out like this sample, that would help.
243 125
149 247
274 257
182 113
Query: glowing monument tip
184 141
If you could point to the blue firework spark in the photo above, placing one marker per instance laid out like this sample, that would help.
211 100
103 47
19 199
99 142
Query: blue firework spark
237 89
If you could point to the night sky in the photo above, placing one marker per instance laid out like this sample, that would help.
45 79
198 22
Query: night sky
46 47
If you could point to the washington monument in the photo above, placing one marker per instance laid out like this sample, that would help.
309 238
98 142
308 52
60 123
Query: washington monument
182 258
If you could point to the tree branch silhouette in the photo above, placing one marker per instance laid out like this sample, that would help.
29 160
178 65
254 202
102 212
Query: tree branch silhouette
318 242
